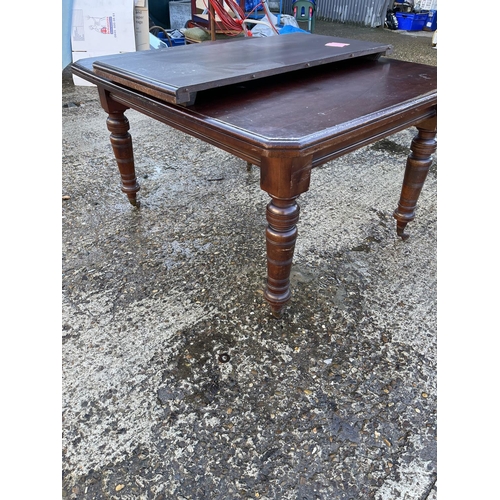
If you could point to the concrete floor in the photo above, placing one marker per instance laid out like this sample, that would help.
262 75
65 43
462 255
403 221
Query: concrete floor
336 400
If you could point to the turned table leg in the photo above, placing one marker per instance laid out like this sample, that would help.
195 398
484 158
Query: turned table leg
121 142
419 161
281 234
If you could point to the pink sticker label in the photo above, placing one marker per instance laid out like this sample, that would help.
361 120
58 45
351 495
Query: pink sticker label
337 44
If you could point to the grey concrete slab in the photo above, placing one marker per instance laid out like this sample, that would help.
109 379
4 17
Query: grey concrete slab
336 400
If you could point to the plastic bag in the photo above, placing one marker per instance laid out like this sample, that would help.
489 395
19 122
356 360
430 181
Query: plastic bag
263 28
287 20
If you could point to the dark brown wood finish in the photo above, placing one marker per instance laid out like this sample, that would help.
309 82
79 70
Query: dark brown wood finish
419 161
288 124
177 75
121 142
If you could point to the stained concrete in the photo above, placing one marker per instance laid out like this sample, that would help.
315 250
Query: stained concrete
177 381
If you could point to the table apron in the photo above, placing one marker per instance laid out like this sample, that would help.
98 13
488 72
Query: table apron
190 124
368 134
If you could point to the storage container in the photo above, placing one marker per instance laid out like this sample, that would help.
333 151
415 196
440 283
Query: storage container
431 21
174 42
411 21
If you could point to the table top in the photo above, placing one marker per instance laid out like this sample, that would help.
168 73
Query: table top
177 74
323 111
318 102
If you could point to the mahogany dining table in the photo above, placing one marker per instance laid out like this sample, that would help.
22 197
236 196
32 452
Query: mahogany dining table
325 97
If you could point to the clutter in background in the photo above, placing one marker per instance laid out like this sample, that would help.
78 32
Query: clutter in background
412 15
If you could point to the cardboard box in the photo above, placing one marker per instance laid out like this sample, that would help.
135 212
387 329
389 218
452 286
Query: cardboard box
104 27
141 23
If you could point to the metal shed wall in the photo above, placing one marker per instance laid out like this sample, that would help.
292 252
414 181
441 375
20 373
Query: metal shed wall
364 12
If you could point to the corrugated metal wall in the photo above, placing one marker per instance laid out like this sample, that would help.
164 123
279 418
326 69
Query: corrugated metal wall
364 12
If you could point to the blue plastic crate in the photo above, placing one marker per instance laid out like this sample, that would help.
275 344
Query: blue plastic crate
174 41
431 21
411 21
178 41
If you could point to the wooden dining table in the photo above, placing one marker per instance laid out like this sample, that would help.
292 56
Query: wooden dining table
285 104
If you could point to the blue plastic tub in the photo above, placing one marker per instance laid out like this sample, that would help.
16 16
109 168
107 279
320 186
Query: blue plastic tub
411 21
